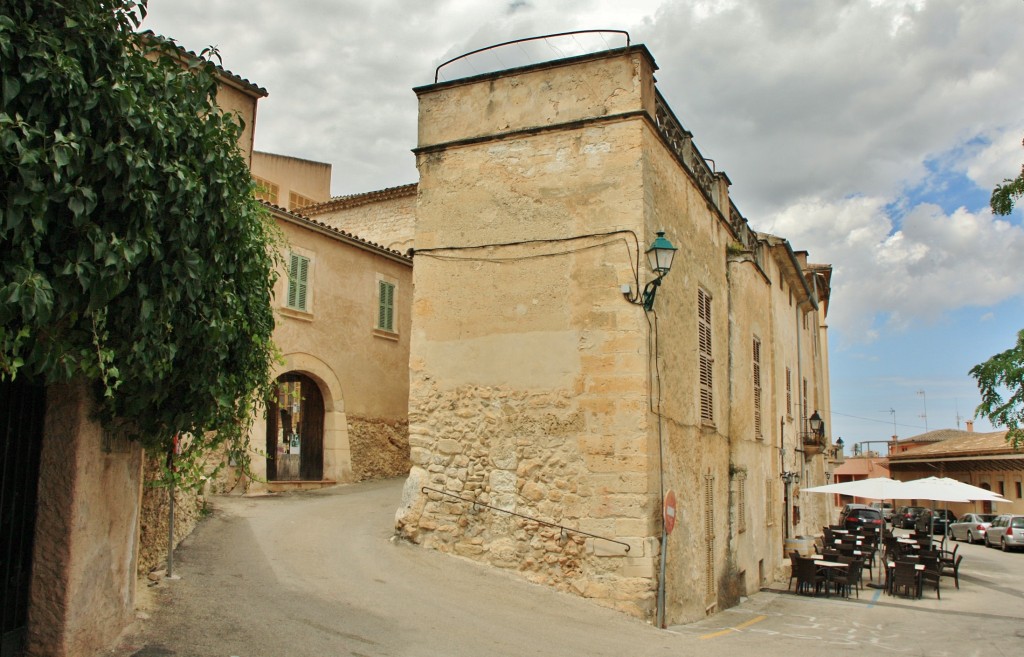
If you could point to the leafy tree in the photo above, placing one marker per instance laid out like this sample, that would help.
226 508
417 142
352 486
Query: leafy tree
1004 196
133 254
1004 372
1001 373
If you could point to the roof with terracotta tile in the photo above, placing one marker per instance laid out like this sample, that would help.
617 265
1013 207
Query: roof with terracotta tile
227 75
355 200
960 443
341 235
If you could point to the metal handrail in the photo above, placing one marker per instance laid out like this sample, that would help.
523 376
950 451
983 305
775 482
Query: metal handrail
437 71
424 489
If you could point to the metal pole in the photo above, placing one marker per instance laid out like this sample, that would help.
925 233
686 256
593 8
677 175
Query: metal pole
661 579
170 533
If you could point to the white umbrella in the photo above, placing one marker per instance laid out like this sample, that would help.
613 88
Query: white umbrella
944 489
874 488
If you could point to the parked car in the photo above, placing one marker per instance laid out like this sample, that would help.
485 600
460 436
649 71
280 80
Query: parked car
1006 531
970 527
860 517
935 522
904 517
885 508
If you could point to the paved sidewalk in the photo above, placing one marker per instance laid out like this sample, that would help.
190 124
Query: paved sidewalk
317 574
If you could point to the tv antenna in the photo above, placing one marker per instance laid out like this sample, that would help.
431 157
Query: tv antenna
924 416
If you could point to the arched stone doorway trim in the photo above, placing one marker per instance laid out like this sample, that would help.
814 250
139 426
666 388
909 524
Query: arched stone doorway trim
337 453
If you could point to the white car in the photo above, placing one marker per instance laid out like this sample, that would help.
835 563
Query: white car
971 527
1006 531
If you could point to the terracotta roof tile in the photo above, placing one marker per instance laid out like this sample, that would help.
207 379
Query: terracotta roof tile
355 200
961 443
300 219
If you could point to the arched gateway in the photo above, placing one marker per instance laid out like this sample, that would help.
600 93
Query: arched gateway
295 430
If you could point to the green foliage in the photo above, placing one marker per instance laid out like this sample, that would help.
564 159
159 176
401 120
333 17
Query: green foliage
1004 196
1003 373
132 251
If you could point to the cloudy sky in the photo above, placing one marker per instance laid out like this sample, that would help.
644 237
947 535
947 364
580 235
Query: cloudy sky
868 132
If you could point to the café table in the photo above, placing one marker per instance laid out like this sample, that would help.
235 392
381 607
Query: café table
830 567
890 567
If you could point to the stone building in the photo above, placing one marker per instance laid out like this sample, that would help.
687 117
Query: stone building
550 413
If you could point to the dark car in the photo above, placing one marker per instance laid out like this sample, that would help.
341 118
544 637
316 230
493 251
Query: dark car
936 522
861 518
905 516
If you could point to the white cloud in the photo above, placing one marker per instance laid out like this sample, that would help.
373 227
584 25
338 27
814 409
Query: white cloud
823 113
887 278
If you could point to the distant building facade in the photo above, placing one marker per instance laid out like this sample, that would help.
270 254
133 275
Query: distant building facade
985 460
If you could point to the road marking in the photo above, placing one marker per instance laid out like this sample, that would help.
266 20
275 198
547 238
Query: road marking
730 630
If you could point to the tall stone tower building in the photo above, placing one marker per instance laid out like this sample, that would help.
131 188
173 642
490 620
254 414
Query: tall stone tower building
549 412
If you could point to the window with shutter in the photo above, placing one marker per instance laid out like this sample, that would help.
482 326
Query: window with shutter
769 504
803 404
707 406
298 282
709 535
386 306
757 389
789 393
741 501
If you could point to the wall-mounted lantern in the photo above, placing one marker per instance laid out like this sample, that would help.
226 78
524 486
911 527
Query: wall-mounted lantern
659 256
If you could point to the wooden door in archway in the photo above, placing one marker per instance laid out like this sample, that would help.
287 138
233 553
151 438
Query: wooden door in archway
295 430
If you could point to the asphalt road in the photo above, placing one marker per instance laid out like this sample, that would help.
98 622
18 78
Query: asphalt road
317 574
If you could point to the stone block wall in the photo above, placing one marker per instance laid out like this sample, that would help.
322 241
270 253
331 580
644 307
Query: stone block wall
524 452
380 448
155 516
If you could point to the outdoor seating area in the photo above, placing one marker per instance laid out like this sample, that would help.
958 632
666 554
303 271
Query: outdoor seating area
907 564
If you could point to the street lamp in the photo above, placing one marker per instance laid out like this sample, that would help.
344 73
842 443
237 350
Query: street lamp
659 256
817 425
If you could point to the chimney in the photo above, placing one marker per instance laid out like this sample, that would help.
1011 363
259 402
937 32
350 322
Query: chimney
970 425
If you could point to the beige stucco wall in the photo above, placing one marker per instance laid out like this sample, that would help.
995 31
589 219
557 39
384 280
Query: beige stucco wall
361 371
84 561
243 104
292 174
528 374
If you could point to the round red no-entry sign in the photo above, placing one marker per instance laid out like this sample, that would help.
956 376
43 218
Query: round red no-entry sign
670 511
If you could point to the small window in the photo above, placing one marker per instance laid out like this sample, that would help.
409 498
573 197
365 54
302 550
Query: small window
296 201
1017 484
1002 488
266 190
386 306
298 282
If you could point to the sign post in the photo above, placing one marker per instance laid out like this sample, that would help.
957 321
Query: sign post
668 524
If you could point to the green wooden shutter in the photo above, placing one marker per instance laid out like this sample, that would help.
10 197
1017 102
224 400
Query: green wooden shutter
298 281
386 306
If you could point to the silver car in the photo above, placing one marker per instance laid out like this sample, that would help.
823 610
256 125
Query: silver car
1006 531
971 527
